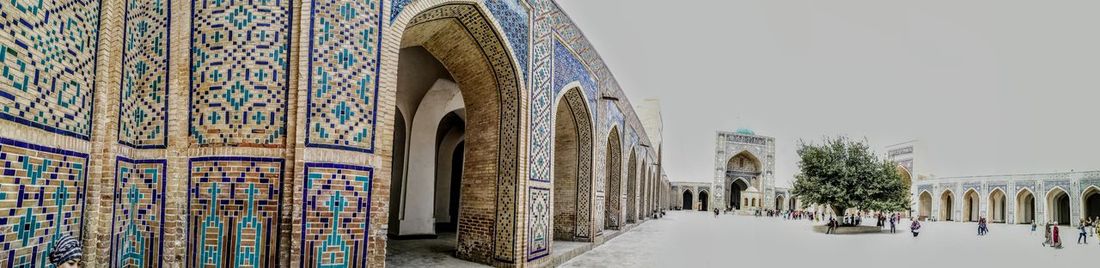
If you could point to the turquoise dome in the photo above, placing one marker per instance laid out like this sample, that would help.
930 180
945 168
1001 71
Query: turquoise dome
745 131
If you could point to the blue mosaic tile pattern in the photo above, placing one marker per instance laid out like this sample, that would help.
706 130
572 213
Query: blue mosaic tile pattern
143 102
923 188
239 72
1032 185
233 206
538 222
567 69
137 226
343 79
1064 184
48 53
1085 183
41 198
512 15
336 215
541 94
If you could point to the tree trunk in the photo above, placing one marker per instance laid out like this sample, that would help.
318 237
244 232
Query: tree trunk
838 211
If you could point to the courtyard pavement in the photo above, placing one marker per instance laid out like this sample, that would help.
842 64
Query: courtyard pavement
698 239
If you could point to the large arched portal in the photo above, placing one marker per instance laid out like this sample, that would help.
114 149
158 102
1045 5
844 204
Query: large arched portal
1025 207
971 206
689 200
743 177
1058 206
736 189
997 206
572 167
779 203
613 198
947 205
704 199
1090 202
925 205
451 58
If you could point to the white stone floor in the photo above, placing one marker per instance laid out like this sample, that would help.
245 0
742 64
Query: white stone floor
697 239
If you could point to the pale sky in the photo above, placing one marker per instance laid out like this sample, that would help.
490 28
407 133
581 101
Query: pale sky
988 87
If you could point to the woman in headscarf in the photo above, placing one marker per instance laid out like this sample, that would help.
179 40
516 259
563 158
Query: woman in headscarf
915 227
66 253
1055 238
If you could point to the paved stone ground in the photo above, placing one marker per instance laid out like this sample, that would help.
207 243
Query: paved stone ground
697 239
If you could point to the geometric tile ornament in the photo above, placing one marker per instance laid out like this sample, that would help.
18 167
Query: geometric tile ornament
239 72
343 74
538 242
568 68
233 211
540 100
41 198
137 226
541 95
143 111
508 84
47 53
335 215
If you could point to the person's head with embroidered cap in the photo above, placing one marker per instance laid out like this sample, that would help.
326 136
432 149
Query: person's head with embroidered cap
66 253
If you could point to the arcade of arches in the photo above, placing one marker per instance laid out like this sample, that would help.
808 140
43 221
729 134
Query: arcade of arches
1063 198
339 133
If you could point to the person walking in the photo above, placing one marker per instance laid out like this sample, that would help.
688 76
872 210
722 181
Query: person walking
1083 236
1055 236
1046 235
715 213
915 228
832 226
1033 225
893 227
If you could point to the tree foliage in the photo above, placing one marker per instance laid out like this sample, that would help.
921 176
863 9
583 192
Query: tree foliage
846 174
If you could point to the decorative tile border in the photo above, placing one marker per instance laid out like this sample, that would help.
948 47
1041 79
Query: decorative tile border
45 191
137 214
336 215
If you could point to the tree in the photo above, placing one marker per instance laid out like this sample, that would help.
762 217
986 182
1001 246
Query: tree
846 174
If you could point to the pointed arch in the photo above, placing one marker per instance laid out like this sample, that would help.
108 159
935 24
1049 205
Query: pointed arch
997 211
573 191
925 204
947 205
1058 206
613 191
472 48
1025 206
632 186
971 205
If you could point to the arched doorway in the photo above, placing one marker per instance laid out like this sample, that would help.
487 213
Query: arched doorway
736 189
793 203
613 197
779 203
925 205
971 206
632 187
997 206
572 167
947 205
689 202
742 174
450 158
442 48
1025 207
703 200
1090 202
1058 206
